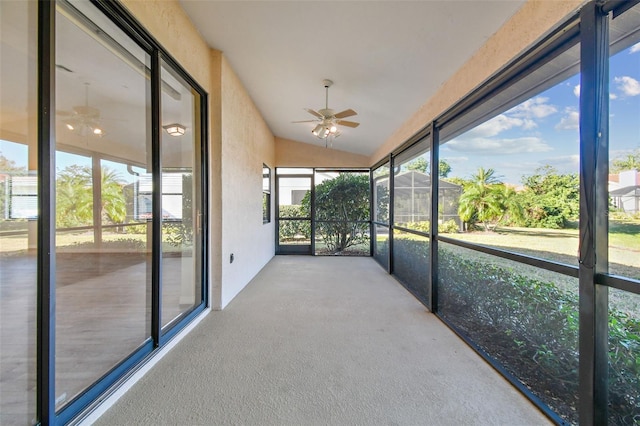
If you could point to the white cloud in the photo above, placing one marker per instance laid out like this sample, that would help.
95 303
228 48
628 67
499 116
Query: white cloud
613 96
628 85
576 91
570 121
496 125
499 146
533 108
635 48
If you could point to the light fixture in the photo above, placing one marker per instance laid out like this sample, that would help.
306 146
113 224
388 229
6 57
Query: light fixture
174 129
84 119
324 130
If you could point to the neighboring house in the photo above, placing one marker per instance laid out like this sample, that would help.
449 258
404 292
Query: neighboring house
624 190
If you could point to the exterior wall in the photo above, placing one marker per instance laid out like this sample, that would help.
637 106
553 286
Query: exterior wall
297 154
247 142
534 20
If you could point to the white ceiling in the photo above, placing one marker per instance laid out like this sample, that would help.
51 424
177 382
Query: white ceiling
386 58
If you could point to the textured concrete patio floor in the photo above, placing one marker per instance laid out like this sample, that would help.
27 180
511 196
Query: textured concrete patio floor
322 341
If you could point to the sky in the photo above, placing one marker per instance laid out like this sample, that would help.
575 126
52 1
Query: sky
543 130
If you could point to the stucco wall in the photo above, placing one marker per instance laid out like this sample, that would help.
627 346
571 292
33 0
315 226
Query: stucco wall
534 20
247 143
297 154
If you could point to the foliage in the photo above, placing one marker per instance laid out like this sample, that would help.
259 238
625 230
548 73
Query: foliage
531 327
290 230
486 200
422 165
382 204
448 227
550 200
629 162
341 210
180 233
74 197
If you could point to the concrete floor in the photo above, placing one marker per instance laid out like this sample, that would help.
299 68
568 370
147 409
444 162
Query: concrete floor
322 341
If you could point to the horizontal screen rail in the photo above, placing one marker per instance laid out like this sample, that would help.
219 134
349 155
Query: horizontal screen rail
549 265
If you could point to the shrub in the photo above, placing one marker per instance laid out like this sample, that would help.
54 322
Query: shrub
531 327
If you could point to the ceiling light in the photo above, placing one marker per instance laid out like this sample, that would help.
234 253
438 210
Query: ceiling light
316 130
174 129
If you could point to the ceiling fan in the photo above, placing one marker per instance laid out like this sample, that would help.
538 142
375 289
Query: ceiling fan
83 119
328 120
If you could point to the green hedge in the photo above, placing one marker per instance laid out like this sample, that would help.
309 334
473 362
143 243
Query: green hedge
530 325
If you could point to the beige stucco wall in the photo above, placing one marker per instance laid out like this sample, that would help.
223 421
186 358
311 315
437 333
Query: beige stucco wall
297 154
247 143
535 19
239 142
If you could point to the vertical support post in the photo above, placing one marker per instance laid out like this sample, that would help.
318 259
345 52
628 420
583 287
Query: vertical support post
372 207
156 201
45 398
312 213
594 117
391 211
435 180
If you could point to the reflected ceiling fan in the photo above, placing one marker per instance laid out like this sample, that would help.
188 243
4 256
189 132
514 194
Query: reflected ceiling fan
328 120
83 119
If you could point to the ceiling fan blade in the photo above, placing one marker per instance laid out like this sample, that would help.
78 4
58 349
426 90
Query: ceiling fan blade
347 123
305 121
315 113
346 113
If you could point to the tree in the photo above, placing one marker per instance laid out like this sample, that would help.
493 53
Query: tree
74 197
551 199
420 164
342 210
630 162
482 200
444 168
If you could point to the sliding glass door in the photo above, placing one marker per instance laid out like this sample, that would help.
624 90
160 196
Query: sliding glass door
102 204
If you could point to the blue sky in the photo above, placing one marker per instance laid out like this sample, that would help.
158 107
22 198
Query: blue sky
543 130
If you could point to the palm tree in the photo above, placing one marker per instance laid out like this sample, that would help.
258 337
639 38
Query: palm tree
113 204
482 199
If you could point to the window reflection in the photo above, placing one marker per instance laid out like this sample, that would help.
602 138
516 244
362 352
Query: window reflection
181 202
102 248
18 212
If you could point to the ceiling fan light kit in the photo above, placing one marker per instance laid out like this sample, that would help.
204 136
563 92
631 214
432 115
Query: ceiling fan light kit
327 120
84 120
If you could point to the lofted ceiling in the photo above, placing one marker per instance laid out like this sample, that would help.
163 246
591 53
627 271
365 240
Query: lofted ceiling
386 58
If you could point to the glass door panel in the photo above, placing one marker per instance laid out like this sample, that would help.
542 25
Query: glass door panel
102 267
294 214
181 200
